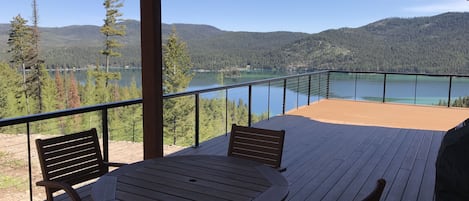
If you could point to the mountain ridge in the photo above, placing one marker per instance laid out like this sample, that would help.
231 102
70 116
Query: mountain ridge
437 43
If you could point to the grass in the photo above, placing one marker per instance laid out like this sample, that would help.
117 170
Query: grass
7 161
10 164
12 182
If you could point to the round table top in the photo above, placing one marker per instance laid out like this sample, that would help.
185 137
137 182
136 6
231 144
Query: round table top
194 177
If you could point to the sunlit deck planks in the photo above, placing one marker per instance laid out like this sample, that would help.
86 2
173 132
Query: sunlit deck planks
329 161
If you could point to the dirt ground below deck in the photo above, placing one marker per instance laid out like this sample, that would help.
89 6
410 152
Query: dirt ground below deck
14 184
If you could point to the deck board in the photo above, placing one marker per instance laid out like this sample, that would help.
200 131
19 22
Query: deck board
328 161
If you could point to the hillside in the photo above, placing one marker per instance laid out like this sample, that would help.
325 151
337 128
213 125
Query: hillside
423 44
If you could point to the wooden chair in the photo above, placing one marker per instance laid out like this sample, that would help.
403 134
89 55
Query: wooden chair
262 145
375 195
69 160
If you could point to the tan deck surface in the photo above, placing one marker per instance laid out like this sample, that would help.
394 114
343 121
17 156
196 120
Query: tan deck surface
384 114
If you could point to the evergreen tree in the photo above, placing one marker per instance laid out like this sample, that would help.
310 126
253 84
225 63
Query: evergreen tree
88 93
102 92
37 75
73 95
11 98
176 78
177 65
49 91
19 43
111 30
60 97
59 84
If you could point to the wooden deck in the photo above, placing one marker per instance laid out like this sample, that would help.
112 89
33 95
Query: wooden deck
342 160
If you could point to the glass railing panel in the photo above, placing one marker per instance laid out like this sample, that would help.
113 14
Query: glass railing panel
212 115
400 88
368 87
342 85
459 92
430 90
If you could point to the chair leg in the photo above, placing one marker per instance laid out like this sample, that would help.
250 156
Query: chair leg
375 195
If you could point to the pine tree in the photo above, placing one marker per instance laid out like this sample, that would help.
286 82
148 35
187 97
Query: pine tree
49 91
176 77
73 102
111 30
177 65
34 81
60 98
10 87
73 95
19 43
59 84
88 94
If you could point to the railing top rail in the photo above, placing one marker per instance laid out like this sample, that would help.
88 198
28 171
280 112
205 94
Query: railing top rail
67 112
399 73
263 81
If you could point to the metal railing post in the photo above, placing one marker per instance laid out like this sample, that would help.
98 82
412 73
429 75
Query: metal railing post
28 133
327 84
105 126
309 89
298 93
319 86
196 120
384 87
449 90
268 101
355 87
415 90
226 112
250 105
284 95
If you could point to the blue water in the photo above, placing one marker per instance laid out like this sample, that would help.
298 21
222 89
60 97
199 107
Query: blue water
409 89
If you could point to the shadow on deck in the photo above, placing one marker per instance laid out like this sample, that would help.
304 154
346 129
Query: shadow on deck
332 161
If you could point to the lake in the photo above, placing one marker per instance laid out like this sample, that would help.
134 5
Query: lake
409 89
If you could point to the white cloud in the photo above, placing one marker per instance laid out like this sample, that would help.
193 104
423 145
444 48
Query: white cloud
448 6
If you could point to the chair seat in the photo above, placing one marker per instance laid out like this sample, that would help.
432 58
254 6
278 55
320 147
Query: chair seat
84 192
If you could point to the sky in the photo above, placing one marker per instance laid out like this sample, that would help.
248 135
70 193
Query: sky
309 16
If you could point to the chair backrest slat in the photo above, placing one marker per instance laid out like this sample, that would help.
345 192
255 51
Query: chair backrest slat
262 145
72 158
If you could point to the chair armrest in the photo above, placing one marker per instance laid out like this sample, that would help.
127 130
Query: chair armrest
114 164
61 185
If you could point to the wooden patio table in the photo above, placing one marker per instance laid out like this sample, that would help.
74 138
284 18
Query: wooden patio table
192 177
